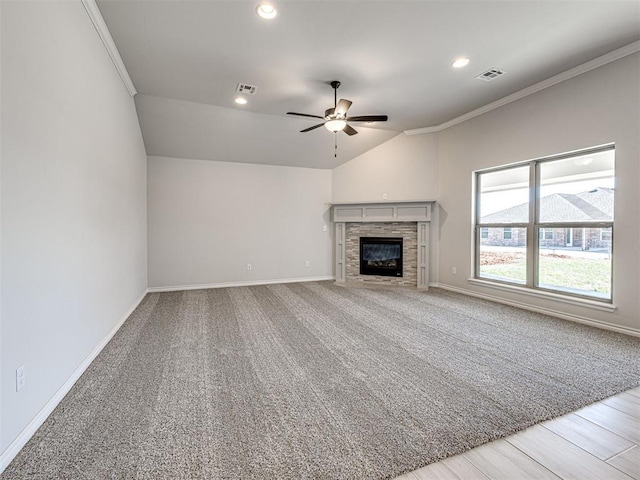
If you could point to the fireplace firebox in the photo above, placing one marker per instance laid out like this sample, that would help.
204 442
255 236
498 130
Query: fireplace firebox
381 256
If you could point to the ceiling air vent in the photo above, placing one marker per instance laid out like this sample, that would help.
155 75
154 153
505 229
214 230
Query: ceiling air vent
490 74
246 89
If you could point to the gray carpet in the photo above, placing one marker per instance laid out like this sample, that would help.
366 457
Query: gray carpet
314 380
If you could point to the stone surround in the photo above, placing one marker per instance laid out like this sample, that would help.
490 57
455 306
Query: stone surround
409 220
409 233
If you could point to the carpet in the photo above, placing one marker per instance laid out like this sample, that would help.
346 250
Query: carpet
314 380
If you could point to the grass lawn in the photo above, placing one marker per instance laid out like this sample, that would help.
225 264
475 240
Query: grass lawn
566 272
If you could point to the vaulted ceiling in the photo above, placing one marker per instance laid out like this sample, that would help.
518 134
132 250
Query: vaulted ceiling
393 57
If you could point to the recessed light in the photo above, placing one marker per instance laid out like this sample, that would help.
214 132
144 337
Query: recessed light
241 101
460 62
266 10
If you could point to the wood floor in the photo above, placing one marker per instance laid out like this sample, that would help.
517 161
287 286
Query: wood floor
597 442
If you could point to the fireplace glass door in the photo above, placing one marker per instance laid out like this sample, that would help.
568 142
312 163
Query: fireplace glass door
381 256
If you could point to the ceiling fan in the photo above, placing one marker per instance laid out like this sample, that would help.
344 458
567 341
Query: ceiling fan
335 119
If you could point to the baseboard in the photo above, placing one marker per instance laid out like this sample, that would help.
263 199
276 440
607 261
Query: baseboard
547 311
247 283
14 447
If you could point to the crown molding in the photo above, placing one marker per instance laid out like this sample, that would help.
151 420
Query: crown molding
103 32
561 77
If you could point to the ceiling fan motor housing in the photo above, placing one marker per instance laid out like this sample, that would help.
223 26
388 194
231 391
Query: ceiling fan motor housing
328 113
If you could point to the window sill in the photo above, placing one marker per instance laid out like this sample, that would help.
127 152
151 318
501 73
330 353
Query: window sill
580 302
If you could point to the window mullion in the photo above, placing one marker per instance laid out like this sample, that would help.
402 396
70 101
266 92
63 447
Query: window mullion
476 230
532 244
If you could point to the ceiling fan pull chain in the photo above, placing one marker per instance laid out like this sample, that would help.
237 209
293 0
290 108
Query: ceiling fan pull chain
335 145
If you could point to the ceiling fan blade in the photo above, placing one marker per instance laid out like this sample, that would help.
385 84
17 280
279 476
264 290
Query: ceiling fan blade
303 115
368 118
342 107
311 128
349 130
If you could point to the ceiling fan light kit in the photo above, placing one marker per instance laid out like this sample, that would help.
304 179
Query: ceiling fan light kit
335 125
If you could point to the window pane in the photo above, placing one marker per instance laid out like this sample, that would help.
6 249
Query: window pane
504 258
577 189
577 261
504 196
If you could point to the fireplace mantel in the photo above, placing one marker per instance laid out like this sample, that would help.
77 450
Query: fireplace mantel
411 211
418 212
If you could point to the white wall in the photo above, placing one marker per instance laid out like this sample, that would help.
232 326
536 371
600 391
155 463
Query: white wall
208 220
73 202
405 168
595 108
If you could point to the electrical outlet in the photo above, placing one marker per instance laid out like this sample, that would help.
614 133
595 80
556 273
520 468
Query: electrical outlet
324 228
249 267
307 264
21 378
454 271
385 196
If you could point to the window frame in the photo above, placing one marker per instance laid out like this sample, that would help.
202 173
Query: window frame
533 227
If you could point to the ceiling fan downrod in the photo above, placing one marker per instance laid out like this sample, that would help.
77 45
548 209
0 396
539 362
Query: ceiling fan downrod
335 84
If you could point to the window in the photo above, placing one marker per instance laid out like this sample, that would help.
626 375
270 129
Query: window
548 223
546 234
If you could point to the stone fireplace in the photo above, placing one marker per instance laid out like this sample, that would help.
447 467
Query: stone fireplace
382 243
405 231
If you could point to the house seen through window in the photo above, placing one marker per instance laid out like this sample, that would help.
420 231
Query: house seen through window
548 223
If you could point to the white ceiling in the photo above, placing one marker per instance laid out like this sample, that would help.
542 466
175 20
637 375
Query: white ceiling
392 57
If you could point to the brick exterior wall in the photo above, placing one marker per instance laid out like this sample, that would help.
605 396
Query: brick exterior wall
409 233
518 238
